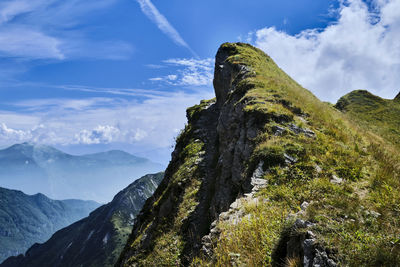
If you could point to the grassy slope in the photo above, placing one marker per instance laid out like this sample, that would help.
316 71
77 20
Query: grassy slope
341 213
168 244
345 215
382 116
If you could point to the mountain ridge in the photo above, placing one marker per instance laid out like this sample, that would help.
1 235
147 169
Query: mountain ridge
97 239
26 219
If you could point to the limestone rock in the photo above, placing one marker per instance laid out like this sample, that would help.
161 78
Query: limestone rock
298 130
336 180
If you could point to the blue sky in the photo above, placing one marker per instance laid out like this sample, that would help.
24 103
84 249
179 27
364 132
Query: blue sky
90 75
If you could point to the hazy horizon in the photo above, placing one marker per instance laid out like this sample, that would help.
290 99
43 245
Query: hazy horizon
42 169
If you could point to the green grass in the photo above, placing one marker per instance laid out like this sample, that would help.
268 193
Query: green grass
341 213
381 116
168 243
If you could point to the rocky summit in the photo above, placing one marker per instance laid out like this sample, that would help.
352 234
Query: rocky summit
268 175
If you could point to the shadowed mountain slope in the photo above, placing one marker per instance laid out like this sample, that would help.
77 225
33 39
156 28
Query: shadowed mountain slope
96 240
25 220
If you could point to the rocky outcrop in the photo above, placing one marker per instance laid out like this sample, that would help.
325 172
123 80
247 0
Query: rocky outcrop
226 74
301 244
228 137
235 213
226 176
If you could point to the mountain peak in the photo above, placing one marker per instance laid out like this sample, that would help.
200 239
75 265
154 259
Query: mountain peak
27 144
242 165
227 69
25 149
30 146
358 97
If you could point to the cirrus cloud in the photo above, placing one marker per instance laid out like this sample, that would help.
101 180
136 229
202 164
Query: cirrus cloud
163 24
188 72
36 29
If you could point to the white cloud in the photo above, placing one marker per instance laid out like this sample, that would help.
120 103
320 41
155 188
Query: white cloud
172 77
156 79
40 33
12 134
101 134
9 9
148 93
37 134
162 23
152 123
64 104
189 72
84 48
155 66
360 51
206 64
27 43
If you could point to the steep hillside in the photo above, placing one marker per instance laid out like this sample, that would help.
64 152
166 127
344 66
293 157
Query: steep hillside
382 116
39 168
266 174
25 220
96 240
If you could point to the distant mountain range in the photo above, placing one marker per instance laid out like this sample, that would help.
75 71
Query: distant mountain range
96 240
39 168
26 219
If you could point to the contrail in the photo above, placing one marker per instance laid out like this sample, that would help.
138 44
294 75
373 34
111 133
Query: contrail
163 24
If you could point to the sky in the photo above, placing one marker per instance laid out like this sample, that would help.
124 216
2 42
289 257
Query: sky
91 75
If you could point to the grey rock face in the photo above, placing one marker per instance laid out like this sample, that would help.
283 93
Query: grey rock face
318 169
225 74
336 180
304 205
299 242
289 159
278 130
298 130
235 212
